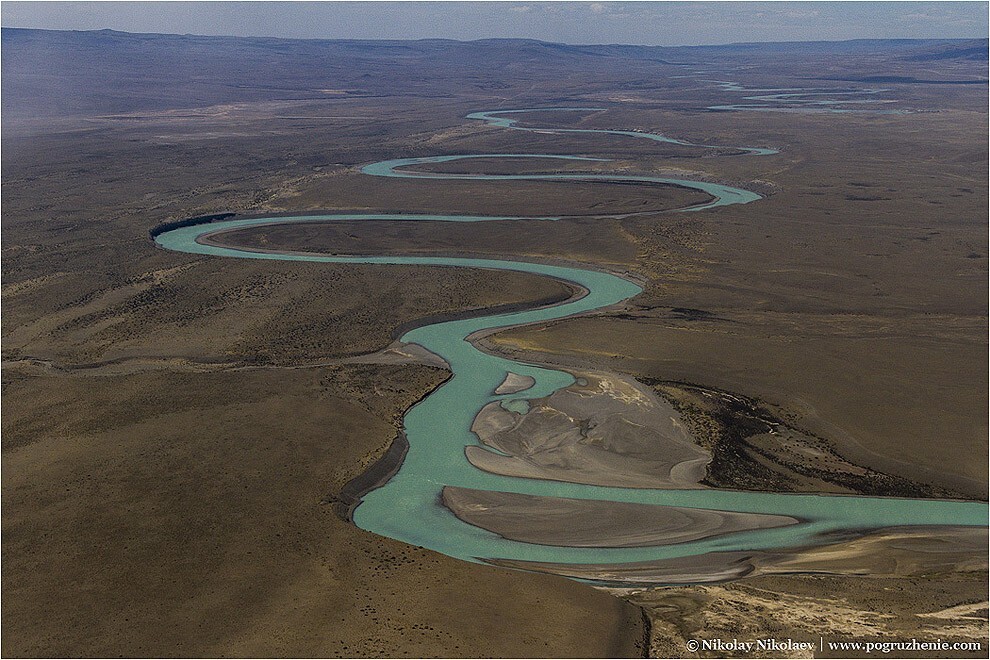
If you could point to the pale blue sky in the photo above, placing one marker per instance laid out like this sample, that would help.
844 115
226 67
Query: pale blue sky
648 23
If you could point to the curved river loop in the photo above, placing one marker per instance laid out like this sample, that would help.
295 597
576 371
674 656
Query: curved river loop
438 427
806 99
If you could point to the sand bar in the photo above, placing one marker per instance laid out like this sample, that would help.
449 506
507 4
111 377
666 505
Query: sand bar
595 523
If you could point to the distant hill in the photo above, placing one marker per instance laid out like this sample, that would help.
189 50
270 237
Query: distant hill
82 73
975 50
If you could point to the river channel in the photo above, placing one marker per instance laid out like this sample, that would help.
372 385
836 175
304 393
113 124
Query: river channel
407 507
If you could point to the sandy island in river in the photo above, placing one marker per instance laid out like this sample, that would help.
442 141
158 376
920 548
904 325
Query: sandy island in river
594 523
605 429
514 383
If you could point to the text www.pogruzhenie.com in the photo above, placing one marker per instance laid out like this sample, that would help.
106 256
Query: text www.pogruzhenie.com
822 644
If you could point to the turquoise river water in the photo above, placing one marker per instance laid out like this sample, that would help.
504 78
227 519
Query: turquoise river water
438 427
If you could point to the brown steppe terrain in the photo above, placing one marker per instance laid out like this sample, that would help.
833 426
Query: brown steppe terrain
854 298
180 514
176 426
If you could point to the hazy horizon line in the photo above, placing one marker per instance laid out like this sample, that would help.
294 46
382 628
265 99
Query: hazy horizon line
468 41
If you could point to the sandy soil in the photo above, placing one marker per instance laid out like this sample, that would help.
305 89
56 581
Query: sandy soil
820 609
514 383
590 523
887 552
605 429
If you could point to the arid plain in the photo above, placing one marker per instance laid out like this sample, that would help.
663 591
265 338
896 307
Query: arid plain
179 428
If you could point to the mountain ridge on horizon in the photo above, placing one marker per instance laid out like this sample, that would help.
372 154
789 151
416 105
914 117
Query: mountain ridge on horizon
77 73
735 44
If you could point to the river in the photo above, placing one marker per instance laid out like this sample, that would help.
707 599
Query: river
438 427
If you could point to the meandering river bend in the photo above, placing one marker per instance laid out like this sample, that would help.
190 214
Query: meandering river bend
438 428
